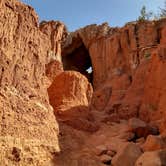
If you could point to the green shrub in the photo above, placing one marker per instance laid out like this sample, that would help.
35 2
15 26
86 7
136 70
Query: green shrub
144 15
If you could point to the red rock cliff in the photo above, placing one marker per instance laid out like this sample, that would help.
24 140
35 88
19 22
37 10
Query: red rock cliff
125 66
28 128
99 125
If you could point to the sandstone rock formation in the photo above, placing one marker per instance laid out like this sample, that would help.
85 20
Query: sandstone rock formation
28 126
157 158
154 143
70 95
104 86
128 155
68 90
126 65
53 69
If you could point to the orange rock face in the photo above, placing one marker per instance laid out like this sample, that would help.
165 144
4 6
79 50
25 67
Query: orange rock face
53 69
154 99
154 143
127 75
114 74
28 127
152 158
70 95
69 89
127 67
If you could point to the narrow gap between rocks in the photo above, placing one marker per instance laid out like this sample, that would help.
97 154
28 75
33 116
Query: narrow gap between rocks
79 60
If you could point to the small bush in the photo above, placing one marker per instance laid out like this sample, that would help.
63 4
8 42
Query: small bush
144 15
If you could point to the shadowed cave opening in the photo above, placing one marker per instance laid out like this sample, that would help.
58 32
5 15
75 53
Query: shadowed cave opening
79 60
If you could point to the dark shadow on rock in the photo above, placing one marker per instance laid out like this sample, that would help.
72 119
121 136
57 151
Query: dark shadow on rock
80 118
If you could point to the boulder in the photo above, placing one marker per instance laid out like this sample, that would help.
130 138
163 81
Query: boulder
106 159
138 127
140 140
155 158
111 153
101 149
70 95
69 90
154 143
127 156
100 98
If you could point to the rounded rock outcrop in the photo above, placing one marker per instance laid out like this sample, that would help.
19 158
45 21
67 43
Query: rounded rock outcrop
69 89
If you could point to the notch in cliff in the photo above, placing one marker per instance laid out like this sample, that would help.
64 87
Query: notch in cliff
76 53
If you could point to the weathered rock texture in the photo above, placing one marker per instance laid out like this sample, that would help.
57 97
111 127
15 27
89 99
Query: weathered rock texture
28 128
70 95
128 65
69 89
128 81
128 78
157 158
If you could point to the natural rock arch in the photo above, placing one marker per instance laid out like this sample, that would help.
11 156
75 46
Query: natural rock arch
78 59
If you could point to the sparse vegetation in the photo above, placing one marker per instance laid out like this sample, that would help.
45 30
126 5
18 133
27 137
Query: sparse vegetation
163 11
144 15
149 15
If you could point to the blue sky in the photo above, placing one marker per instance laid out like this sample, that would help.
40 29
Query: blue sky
79 13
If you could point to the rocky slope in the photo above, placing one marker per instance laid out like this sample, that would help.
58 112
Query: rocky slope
104 86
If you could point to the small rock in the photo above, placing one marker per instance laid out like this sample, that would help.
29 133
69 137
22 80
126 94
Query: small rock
128 136
111 153
135 123
154 143
111 118
138 127
101 149
127 156
141 129
155 158
153 129
106 159
140 141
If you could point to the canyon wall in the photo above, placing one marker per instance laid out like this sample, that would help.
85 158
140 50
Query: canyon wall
28 128
126 66
114 74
